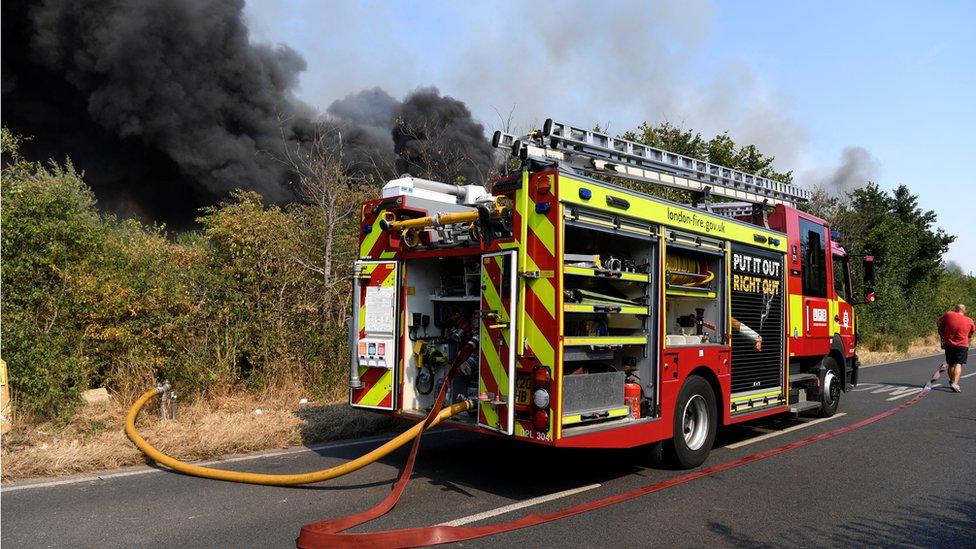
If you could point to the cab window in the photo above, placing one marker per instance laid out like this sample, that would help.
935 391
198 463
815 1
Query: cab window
842 277
813 258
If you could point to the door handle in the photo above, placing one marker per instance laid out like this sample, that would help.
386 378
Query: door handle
497 326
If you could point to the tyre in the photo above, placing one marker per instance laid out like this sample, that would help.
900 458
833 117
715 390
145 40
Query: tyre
695 424
830 388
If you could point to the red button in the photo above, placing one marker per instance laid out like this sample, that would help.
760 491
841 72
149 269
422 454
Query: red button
381 349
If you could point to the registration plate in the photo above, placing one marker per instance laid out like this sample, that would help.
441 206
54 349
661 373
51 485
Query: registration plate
523 389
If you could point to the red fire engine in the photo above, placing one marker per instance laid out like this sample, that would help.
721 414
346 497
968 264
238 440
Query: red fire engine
579 311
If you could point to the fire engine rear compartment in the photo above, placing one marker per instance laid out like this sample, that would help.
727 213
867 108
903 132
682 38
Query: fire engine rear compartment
441 313
610 321
610 326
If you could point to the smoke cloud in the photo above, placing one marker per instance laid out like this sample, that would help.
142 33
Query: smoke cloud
168 105
179 77
436 135
618 63
857 167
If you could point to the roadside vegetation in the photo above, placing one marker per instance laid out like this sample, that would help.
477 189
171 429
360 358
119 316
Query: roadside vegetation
249 310
93 301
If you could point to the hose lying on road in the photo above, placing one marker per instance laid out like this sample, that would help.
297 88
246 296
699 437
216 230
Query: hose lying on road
436 416
330 533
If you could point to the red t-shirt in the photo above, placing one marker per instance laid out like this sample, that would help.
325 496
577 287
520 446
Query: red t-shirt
956 328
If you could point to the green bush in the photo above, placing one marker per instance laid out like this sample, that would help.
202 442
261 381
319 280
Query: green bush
91 301
50 236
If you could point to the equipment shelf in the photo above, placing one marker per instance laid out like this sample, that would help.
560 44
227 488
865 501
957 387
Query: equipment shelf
692 292
606 274
608 308
605 340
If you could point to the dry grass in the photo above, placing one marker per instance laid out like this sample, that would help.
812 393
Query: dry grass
925 346
208 428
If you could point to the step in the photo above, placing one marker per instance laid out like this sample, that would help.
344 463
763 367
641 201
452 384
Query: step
803 406
796 379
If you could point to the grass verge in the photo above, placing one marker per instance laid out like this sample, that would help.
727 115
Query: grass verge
925 346
209 428
224 424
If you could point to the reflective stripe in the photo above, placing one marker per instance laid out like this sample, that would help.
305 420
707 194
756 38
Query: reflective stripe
606 340
755 396
577 418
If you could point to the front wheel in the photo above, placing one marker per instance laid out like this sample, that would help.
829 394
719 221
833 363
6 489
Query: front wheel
830 387
695 423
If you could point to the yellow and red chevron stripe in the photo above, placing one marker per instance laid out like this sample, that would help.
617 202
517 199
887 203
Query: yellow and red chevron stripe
493 382
377 390
374 242
540 326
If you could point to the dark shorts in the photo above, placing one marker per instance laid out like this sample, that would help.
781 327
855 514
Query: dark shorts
956 355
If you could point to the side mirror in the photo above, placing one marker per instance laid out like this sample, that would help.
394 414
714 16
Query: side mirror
869 271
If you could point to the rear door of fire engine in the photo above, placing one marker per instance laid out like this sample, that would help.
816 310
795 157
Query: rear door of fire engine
376 291
814 250
496 372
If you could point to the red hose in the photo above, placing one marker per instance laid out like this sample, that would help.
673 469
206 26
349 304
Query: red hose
328 533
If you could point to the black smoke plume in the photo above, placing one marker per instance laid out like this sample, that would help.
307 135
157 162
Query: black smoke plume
436 136
167 105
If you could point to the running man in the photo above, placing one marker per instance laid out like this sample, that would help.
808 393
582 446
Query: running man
955 329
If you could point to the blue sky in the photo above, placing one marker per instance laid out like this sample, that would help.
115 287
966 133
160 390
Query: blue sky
891 83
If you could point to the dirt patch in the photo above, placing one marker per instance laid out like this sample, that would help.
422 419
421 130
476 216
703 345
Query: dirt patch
925 346
211 427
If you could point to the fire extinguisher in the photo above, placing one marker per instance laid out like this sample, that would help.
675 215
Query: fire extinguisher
632 395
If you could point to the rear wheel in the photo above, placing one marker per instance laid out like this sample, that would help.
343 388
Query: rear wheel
830 387
695 424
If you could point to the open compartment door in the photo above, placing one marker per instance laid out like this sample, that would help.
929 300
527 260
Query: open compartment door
496 372
376 294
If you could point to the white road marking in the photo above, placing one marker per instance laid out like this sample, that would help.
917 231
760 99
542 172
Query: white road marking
784 431
249 457
969 375
518 505
903 392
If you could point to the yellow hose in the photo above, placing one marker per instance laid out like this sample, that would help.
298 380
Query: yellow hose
276 480
688 265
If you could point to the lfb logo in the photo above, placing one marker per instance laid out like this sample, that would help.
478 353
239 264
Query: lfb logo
820 315
846 320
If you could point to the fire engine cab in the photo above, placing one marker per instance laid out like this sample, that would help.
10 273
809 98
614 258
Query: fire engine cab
578 311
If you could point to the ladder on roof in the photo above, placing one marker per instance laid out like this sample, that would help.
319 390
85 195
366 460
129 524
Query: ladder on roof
588 151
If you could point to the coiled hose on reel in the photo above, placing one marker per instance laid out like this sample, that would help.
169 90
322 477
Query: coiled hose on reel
687 271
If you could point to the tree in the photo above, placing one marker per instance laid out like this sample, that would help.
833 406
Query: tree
720 149
326 179
909 248
669 137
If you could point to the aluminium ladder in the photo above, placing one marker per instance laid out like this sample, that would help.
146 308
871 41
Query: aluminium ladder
593 152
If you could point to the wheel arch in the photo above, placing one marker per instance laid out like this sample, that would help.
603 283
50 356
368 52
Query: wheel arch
709 375
837 353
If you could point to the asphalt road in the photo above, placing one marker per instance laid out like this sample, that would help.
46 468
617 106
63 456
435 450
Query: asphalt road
906 480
